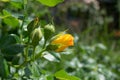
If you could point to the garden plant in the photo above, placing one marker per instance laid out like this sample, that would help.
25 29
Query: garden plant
34 47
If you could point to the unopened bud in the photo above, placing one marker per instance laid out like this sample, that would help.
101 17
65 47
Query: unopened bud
32 25
36 36
48 31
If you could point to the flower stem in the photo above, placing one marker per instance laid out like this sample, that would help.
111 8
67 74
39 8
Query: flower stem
32 59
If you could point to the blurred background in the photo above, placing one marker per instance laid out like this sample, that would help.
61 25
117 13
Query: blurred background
95 25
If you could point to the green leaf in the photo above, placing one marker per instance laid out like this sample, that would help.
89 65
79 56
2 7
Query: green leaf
13 49
5 0
57 56
35 70
51 56
7 40
50 77
62 75
6 13
27 71
4 72
11 21
16 38
50 3
17 5
15 59
16 0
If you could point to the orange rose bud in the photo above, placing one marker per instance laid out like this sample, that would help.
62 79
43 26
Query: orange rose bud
63 41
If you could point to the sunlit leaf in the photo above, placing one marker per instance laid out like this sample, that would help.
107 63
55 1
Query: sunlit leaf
101 46
52 56
50 77
17 4
6 13
17 0
5 0
50 3
62 75
11 21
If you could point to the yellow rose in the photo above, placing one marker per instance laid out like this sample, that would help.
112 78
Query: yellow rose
63 41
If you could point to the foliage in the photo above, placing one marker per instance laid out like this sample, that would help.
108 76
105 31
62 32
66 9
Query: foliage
28 44
50 2
20 51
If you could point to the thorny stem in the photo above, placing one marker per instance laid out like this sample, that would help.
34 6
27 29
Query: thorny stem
44 44
21 32
34 57
34 53
24 17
